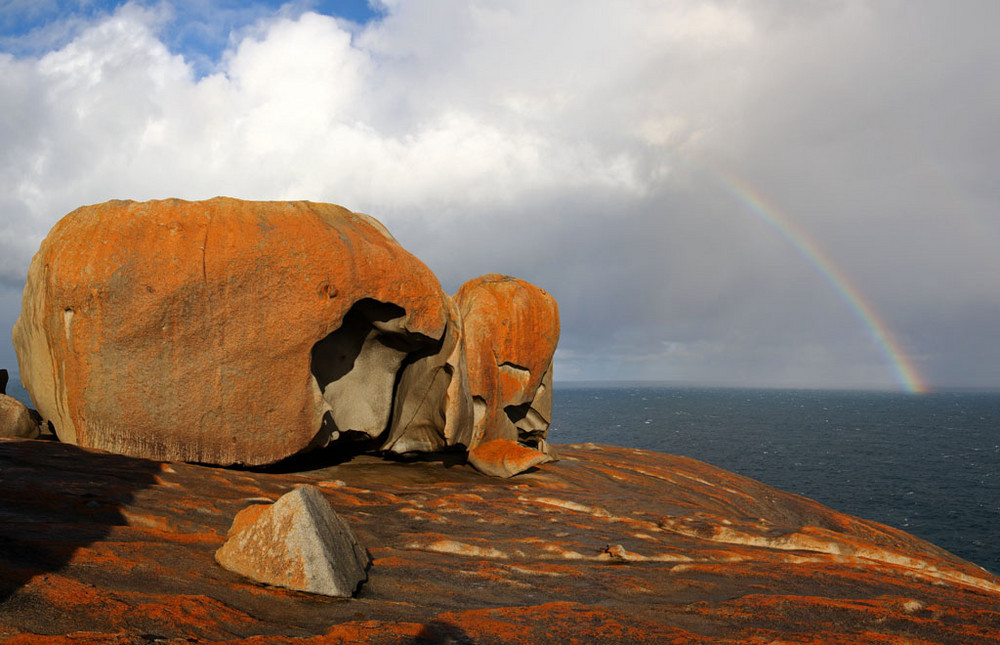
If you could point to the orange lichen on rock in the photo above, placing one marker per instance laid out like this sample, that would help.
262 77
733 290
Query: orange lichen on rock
221 331
608 545
505 458
510 329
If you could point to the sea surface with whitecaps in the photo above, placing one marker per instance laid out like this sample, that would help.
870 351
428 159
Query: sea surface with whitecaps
928 464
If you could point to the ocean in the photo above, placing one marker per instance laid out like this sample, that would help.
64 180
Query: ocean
928 464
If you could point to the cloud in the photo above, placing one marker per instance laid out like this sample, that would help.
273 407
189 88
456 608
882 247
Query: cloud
580 145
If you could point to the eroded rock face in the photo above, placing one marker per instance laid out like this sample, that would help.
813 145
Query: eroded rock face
299 542
433 409
510 329
223 331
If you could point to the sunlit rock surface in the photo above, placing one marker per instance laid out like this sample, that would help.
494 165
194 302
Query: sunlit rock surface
15 420
222 331
505 458
607 545
510 329
298 542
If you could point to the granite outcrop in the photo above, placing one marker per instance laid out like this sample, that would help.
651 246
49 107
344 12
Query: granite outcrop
608 545
510 329
231 332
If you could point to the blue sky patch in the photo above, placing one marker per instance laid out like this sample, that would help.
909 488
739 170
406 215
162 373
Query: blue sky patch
200 30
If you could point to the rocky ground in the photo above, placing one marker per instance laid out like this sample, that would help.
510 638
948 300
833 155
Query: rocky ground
607 545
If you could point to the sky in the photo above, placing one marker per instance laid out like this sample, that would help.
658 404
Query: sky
766 193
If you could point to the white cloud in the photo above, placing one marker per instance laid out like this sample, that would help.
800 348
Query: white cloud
571 143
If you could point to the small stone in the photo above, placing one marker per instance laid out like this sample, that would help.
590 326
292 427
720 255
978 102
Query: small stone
299 543
617 553
505 458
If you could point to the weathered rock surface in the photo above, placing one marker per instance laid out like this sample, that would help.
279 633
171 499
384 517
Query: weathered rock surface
15 419
433 409
608 545
299 542
510 329
224 331
505 458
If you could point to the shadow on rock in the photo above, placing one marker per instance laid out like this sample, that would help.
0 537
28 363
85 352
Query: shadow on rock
439 632
55 499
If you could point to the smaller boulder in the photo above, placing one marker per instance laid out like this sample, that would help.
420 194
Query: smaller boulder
505 458
15 419
299 543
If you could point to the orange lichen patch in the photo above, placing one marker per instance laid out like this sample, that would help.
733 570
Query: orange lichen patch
432 582
203 617
128 305
105 555
591 624
510 329
424 516
160 535
465 503
505 458
246 517
70 593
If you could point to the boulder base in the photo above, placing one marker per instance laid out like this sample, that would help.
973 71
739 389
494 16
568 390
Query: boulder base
505 458
299 542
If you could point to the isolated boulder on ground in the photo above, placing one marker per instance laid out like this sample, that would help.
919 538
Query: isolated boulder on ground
224 331
299 542
15 419
510 329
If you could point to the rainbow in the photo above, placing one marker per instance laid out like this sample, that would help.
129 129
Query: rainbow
904 371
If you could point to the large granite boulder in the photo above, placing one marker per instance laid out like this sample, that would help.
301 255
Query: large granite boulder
232 332
510 329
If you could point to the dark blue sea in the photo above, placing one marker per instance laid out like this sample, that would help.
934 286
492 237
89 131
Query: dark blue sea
928 464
